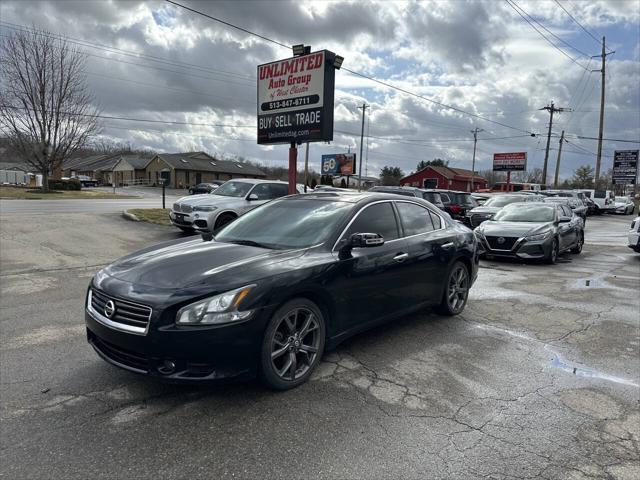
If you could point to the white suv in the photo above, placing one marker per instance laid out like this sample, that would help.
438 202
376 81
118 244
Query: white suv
210 211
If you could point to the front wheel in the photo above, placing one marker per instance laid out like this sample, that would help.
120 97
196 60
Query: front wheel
552 256
578 248
456 291
292 345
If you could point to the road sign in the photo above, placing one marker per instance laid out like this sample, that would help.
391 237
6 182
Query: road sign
625 167
507 162
339 164
295 99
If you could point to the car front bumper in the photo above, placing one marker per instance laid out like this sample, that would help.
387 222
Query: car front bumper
183 220
634 241
183 354
522 249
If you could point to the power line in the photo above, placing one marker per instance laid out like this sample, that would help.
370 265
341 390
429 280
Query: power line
515 8
577 22
386 84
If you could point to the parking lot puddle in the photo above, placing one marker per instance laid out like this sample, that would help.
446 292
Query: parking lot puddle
591 282
558 362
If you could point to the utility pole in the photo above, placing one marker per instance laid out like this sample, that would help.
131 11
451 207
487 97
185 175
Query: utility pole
364 109
601 128
551 109
555 179
306 168
475 132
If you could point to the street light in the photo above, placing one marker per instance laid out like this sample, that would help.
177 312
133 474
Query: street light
337 62
164 182
298 50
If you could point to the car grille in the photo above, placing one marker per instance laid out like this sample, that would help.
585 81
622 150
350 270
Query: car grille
477 218
182 208
507 244
126 313
126 358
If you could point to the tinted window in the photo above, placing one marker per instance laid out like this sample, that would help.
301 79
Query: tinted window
262 191
432 197
600 194
415 219
445 198
378 218
279 190
566 211
435 219
464 199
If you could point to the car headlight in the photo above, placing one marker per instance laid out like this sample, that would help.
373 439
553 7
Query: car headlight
204 208
222 308
538 236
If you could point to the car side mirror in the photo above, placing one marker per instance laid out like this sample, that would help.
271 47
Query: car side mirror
360 240
564 219
253 196
206 236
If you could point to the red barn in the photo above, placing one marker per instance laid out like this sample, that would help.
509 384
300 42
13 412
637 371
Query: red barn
447 178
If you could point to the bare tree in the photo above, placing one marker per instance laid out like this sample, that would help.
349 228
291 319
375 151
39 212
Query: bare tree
46 110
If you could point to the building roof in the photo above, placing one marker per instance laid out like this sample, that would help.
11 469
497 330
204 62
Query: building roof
201 161
139 162
21 167
449 173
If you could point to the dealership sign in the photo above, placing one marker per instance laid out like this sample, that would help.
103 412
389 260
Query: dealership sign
295 99
506 162
339 164
625 167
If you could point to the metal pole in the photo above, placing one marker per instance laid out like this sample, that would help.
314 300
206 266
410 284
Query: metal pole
555 179
546 153
306 168
508 179
601 128
364 109
473 162
293 160
163 185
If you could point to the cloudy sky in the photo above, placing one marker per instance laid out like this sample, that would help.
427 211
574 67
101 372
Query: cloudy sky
153 60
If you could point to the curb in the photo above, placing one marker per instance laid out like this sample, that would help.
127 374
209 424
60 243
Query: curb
130 216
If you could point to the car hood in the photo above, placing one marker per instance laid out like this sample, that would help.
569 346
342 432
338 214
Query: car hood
209 199
484 210
512 229
189 264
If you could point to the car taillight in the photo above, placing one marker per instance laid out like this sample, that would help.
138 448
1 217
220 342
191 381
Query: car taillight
455 208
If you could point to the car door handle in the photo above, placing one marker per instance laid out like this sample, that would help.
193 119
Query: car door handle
401 257
447 246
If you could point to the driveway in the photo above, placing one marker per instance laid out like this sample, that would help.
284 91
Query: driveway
538 378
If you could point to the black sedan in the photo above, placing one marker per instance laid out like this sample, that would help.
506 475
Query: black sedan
532 231
205 187
278 286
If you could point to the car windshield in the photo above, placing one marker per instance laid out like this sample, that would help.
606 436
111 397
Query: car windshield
622 199
234 189
282 224
463 199
525 213
431 197
502 201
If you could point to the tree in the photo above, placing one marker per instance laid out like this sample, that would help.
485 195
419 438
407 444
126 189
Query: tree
391 175
314 183
46 110
583 177
436 162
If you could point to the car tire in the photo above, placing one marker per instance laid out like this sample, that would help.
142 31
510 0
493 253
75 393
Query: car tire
456 292
552 258
289 353
190 191
224 219
578 248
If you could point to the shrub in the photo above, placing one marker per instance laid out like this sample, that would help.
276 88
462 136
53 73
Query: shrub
72 184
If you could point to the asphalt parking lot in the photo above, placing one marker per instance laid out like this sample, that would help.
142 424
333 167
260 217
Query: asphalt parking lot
539 378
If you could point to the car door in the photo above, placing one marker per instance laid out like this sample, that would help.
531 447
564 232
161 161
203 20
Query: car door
430 248
567 230
371 282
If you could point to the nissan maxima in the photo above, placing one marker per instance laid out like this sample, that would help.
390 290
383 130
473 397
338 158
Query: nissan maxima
532 231
277 287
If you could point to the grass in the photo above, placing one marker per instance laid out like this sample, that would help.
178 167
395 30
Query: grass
159 216
18 193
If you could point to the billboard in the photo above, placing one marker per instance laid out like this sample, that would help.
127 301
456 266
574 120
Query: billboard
338 164
506 162
625 167
295 99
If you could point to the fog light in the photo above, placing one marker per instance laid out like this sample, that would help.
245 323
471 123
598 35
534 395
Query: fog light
167 367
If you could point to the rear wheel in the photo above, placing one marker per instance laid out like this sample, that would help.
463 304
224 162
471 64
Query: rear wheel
578 247
292 345
456 291
552 256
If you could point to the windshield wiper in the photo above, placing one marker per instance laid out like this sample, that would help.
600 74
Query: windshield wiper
249 243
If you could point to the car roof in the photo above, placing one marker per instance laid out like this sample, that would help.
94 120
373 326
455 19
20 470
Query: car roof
255 180
354 197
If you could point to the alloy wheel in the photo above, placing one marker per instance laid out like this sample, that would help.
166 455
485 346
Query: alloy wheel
295 344
458 288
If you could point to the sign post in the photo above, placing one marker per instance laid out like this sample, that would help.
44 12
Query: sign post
625 167
508 162
295 102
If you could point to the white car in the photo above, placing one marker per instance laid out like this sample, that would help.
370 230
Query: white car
211 211
634 235
624 205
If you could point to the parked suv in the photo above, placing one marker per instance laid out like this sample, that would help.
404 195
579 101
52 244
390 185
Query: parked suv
457 203
205 187
634 235
493 205
428 195
211 211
